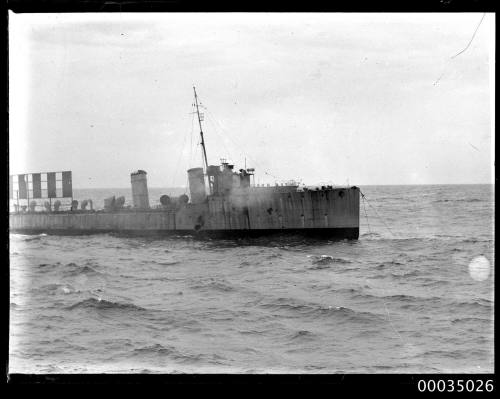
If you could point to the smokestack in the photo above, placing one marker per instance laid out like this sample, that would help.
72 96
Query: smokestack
139 183
197 185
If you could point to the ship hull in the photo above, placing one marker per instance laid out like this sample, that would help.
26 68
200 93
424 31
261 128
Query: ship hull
325 213
323 233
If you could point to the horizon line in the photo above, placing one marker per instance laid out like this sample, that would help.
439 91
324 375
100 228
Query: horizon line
344 185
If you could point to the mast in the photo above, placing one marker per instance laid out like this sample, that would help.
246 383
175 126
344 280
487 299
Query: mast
201 135
201 130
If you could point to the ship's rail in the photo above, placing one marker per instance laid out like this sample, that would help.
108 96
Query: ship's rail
95 211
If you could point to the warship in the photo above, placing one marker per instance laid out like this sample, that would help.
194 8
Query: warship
223 202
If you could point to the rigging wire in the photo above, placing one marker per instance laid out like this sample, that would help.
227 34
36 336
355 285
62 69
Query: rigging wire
382 220
237 145
210 119
366 214
217 126
191 137
180 154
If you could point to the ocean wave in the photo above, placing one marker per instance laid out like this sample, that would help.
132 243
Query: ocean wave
471 320
451 354
161 263
327 259
156 349
467 200
27 237
370 235
405 275
407 298
320 266
213 284
402 299
301 334
72 269
36 238
102 304
245 263
52 341
341 313
475 240
252 332
475 304
166 263
280 240
429 239
406 301
49 266
56 288
433 282
395 263
397 238
179 355
346 290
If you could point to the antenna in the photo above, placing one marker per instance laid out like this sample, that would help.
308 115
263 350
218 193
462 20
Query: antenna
200 118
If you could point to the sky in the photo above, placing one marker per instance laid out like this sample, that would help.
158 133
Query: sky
326 98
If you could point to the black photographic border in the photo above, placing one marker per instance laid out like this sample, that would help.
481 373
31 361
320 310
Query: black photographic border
334 383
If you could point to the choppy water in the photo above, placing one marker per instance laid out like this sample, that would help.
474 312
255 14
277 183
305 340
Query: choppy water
399 300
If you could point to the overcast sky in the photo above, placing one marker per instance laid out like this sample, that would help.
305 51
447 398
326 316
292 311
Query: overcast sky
333 98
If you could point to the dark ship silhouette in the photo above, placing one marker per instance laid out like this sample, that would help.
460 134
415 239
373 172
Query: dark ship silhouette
232 207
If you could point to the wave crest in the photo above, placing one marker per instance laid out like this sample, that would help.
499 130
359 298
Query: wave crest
102 304
218 285
341 313
327 259
72 269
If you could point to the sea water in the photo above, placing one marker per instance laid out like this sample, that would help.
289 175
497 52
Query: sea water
413 295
